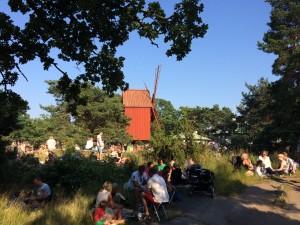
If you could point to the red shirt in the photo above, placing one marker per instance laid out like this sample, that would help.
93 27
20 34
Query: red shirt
99 213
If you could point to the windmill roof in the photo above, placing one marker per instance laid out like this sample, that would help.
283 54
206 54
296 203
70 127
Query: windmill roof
136 98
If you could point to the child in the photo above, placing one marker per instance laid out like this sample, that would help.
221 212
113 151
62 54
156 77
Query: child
260 168
100 217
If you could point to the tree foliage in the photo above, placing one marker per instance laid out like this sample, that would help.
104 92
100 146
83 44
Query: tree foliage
168 116
282 39
256 115
208 121
89 34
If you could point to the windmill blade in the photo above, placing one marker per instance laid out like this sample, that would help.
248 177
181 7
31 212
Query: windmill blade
157 73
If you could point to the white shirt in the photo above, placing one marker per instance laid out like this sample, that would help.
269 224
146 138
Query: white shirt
89 144
102 196
136 176
266 161
159 188
100 143
51 144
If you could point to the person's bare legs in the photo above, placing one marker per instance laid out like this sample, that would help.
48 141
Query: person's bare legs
145 204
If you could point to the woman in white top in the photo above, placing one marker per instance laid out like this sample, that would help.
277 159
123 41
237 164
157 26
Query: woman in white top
105 195
266 161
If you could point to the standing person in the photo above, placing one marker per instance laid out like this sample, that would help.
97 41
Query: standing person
51 144
100 145
156 191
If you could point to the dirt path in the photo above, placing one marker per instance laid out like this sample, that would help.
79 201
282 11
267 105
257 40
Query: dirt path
261 204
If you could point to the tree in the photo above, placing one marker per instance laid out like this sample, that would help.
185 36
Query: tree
283 40
95 111
89 34
255 120
12 108
168 116
208 121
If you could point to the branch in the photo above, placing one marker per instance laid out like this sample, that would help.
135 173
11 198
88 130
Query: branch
60 70
5 88
21 72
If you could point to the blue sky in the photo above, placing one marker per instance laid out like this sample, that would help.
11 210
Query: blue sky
215 72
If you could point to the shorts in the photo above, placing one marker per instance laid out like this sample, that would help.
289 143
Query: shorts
150 198
100 149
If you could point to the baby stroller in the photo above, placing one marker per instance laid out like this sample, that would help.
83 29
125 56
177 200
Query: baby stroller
200 180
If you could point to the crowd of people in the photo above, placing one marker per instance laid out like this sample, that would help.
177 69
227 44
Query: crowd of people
149 185
263 166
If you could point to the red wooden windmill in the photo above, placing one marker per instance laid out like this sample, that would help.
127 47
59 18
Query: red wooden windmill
140 107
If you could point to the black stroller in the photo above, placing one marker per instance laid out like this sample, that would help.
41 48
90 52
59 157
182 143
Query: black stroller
200 180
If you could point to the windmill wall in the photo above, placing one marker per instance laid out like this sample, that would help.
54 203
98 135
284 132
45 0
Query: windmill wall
140 123
138 106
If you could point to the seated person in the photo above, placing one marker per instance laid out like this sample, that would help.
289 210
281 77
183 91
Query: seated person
176 175
137 183
291 167
246 164
100 217
116 195
115 210
188 163
161 164
38 196
89 144
149 165
156 191
43 191
165 174
260 168
266 161
282 166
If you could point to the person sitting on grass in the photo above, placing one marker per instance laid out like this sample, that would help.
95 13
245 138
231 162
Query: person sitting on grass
266 161
291 167
260 168
116 195
105 195
100 217
43 191
246 163
282 166
156 191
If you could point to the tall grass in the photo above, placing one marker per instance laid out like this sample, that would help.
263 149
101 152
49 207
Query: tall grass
63 211
228 181
85 177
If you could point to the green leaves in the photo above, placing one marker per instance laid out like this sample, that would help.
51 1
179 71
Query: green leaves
89 33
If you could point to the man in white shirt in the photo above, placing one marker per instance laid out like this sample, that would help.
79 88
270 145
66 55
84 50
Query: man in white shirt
156 191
